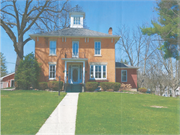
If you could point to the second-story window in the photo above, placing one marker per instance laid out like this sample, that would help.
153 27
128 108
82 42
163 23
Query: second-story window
97 48
76 20
52 48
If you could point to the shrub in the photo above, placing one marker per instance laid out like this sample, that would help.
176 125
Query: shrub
116 86
110 85
27 73
143 90
43 85
125 86
91 86
54 85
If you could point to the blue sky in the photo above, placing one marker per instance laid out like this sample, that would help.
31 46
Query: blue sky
100 15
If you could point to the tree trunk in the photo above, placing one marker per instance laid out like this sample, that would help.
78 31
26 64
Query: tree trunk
20 54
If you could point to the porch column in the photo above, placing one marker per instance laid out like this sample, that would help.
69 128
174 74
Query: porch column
65 72
83 71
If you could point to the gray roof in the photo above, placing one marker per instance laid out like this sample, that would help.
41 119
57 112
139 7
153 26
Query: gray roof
122 65
74 32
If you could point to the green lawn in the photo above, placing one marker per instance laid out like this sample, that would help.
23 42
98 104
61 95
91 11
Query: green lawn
25 111
123 113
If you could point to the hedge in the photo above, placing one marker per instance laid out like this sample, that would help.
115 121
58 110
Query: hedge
110 85
54 85
43 85
91 86
143 90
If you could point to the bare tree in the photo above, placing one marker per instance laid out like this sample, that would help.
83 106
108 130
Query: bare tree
137 49
164 73
46 15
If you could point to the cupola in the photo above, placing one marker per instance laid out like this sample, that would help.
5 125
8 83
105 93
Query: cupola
76 19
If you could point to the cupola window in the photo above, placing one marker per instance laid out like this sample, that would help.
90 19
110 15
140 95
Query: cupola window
76 20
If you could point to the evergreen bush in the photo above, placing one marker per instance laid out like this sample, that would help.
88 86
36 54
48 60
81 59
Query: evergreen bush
110 85
43 85
143 90
54 85
91 86
28 73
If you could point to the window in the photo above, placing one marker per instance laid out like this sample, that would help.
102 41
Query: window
97 48
91 72
104 71
98 72
75 49
123 75
76 20
52 71
52 48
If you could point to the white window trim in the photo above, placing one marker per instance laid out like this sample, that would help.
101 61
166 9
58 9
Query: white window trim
94 73
55 49
121 76
49 72
94 49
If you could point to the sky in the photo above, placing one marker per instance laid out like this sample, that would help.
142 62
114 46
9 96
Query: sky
99 16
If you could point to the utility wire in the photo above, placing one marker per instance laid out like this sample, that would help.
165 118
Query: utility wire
10 62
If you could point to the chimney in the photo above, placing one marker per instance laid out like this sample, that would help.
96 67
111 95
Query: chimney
110 31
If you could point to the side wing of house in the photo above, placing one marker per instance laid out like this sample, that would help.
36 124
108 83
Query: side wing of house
126 74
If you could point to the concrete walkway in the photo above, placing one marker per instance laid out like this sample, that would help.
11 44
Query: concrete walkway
8 89
62 121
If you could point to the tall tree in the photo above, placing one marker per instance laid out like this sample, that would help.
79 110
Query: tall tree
3 65
167 27
18 17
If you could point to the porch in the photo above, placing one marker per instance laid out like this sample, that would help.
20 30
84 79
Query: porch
74 73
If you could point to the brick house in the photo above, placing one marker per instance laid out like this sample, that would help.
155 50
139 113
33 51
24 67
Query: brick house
76 54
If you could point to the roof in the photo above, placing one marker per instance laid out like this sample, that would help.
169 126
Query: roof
122 65
7 75
74 32
77 13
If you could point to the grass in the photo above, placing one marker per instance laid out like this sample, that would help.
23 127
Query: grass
123 113
25 111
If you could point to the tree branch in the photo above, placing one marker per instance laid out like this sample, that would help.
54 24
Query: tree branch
35 18
10 33
8 13
27 40
17 15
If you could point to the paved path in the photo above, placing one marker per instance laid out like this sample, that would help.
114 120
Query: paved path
8 89
62 121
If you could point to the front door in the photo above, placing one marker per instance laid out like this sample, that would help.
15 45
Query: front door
75 75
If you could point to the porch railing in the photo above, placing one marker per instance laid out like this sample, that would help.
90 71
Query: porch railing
75 55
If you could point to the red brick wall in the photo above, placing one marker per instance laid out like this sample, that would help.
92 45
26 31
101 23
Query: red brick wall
8 79
131 76
42 55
